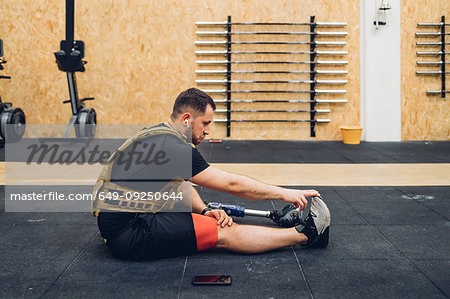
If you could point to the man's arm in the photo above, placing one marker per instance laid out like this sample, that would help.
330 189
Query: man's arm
249 188
198 206
197 203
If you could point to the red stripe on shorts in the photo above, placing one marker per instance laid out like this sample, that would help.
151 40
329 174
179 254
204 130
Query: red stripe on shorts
205 231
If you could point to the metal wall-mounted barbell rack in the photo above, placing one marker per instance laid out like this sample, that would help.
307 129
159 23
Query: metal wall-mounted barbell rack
442 53
252 47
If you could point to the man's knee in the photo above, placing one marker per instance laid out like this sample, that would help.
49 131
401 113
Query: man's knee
224 234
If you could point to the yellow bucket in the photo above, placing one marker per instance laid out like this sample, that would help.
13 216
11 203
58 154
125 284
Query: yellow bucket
351 134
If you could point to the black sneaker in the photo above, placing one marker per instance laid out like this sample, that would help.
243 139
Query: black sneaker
316 226
290 216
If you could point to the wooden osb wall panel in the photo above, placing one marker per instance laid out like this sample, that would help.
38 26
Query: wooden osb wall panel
141 55
424 117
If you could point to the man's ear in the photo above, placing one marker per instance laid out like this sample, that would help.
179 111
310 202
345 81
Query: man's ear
186 117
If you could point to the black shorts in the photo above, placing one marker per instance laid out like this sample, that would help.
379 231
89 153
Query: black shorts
163 235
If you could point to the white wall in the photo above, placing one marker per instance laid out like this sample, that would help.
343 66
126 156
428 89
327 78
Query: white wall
380 73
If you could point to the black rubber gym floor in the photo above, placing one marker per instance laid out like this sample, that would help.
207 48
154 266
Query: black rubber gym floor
268 151
385 242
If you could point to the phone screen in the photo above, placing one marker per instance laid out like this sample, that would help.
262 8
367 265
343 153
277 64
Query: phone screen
212 279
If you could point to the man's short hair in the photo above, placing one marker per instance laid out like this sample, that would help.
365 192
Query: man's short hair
193 99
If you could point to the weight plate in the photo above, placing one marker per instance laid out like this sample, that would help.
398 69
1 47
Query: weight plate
12 124
85 124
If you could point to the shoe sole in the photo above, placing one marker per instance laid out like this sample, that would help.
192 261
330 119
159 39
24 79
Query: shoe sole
318 204
324 235
321 241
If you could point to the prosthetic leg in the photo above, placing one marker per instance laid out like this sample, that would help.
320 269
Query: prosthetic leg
289 216
314 221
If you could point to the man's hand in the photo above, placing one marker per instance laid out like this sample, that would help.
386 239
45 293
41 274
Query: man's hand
298 197
222 218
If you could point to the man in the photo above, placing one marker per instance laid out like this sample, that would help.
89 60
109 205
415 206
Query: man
161 234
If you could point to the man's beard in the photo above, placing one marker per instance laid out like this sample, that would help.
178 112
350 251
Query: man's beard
196 141
192 138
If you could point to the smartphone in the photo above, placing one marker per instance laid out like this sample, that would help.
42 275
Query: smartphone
211 279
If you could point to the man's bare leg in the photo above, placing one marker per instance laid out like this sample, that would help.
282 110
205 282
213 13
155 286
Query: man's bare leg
256 239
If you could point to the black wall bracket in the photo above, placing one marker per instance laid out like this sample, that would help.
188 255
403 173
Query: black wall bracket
312 75
228 90
443 90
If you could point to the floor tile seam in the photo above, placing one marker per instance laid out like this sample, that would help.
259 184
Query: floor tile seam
393 201
360 258
409 261
6 226
47 224
398 250
240 257
348 224
385 154
351 206
421 203
70 264
340 154
390 224
209 152
349 203
182 277
369 224
437 259
273 205
34 260
411 225
303 273
429 279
